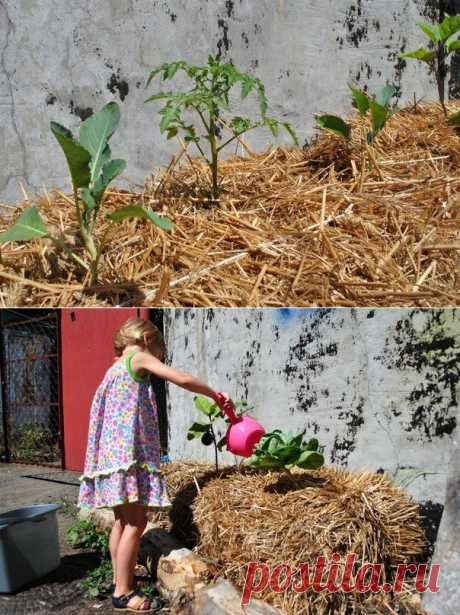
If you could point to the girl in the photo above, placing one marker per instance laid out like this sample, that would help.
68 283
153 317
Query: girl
122 466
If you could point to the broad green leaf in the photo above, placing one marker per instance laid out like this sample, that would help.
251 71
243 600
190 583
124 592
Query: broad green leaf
28 226
310 460
203 404
136 211
379 116
312 445
422 54
78 158
449 27
196 430
110 171
384 95
172 132
96 131
334 124
453 45
432 31
361 99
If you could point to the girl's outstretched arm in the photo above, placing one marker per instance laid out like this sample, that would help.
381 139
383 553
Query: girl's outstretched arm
144 360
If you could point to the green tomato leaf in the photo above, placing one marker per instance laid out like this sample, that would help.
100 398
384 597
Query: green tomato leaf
361 99
290 131
422 54
28 226
95 132
136 211
78 158
334 124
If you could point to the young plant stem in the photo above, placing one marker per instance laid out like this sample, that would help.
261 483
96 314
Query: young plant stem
441 72
61 244
215 447
214 160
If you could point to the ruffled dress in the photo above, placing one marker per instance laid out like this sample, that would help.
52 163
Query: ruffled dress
122 461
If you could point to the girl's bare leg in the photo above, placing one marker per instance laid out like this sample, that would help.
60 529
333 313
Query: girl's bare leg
114 540
135 520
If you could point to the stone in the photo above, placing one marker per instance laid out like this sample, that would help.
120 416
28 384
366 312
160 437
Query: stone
181 571
223 598
447 551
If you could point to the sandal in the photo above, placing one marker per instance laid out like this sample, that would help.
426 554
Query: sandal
120 603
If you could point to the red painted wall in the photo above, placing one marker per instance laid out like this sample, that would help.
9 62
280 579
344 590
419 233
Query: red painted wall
87 336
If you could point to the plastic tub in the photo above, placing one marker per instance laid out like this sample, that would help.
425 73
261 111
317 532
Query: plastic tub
29 545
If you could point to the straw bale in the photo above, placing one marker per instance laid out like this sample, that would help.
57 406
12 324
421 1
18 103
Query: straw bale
239 515
304 227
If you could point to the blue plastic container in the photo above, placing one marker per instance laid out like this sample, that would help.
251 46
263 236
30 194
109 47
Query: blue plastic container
29 545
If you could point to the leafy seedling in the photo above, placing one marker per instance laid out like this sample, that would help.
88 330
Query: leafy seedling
205 431
278 450
209 100
442 43
91 169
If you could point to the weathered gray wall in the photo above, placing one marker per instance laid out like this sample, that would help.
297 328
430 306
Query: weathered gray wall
378 388
61 60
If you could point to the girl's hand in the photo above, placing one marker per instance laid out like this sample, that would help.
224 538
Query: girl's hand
226 405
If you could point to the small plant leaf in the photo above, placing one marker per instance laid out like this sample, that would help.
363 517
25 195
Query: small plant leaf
96 131
203 404
384 95
449 27
136 211
422 54
28 226
432 31
379 117
453 45
197 430
78 158
334 124
312 445
361 99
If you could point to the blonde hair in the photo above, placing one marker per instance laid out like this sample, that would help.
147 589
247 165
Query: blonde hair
132 332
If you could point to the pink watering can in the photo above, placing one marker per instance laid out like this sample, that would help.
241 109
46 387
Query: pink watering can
243 433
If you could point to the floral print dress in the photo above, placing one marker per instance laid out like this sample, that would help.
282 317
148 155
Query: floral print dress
123 452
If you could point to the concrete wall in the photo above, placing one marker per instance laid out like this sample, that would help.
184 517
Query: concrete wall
378 388
62 60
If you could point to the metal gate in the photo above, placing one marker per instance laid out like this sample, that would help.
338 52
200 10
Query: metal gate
30 376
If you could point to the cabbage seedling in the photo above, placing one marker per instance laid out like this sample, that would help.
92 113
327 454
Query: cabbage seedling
443 37
208 99
92 170
283 451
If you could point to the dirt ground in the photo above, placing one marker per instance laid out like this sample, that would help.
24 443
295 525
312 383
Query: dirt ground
25 485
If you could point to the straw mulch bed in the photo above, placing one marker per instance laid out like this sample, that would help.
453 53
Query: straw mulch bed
241 516
294 227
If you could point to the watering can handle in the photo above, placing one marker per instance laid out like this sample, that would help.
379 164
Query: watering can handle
226 405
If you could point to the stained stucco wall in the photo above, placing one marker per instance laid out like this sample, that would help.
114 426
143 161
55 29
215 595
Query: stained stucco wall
62 60
378 388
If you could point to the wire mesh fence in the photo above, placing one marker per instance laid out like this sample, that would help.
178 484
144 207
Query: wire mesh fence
31 414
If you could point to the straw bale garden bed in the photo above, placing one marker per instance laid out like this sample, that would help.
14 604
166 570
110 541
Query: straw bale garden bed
239 515
293 226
